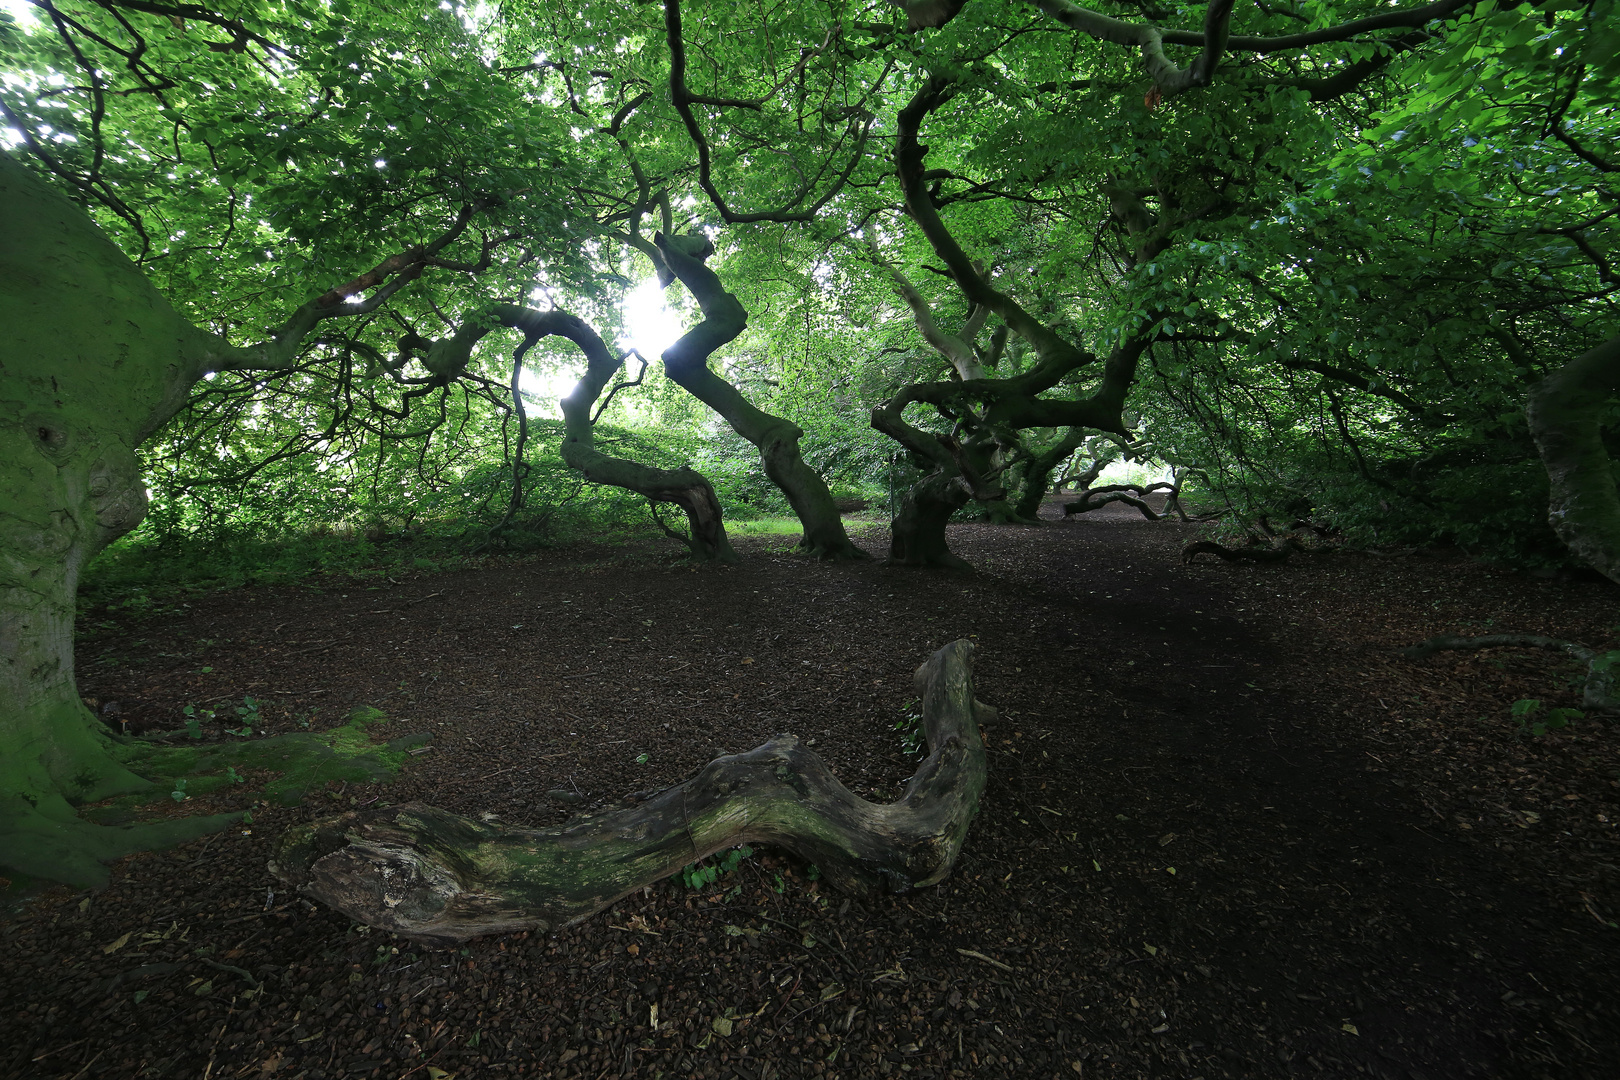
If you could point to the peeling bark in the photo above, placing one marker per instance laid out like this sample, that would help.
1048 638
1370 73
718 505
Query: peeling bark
441 879
1565 412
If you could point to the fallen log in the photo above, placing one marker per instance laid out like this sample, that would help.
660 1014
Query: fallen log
440 879
1599 691
1244 554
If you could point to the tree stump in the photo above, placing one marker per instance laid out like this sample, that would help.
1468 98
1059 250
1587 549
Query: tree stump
440 879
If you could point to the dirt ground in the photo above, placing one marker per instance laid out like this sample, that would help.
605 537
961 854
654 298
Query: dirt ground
1229 831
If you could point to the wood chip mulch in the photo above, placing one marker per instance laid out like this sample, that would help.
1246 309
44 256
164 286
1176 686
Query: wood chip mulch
1229 830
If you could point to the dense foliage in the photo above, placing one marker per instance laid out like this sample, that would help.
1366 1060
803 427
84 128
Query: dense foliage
1333 256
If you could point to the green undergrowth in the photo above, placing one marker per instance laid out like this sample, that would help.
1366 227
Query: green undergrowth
280 769
789 526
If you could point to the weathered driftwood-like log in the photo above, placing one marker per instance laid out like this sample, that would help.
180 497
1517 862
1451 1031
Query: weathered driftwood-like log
1276 553
440 878
1599 691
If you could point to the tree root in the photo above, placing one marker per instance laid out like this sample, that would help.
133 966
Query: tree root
440 879
1600 691
1274 554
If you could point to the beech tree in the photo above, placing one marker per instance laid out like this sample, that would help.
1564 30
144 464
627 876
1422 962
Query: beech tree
1312 250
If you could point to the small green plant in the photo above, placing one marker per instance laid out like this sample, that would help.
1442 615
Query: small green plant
1535 721
248 714
909 727
642 759
194 719
700 875
179 792
233 776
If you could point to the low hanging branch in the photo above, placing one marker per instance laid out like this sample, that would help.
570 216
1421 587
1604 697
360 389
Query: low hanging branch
1099 497
440 879
1600 690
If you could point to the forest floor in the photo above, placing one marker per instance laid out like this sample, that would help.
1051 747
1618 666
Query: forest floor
1229 831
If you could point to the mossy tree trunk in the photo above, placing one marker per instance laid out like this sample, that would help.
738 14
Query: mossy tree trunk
1566 413
93 360
687 363
441 878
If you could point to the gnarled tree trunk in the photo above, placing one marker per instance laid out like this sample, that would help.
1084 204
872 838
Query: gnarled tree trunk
1565 412
687 363
684 487
1036 479
93 359
440 878
918 529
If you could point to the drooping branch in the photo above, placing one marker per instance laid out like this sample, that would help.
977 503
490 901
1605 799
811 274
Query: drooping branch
440 879
684 487
1600 691
1129 494
1565 412
682 98
1216 38
387 278
1375 386
1271 554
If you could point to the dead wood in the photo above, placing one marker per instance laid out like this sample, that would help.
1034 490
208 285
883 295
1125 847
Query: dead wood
1599 691
1244 554
440 878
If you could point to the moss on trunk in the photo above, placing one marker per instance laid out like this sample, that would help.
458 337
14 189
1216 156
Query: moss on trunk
1566 412
93 359
441 878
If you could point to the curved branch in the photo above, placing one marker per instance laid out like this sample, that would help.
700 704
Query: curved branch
681 96
441 879
392 274
1168 79
1600 690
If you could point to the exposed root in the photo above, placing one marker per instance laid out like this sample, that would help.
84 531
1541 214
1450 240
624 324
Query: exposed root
1600 690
